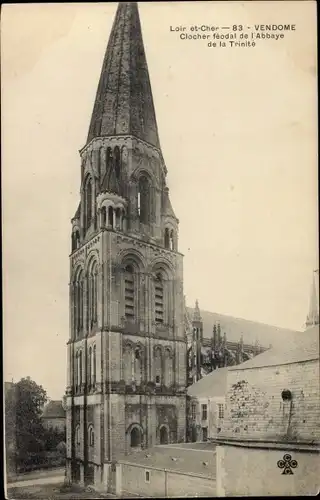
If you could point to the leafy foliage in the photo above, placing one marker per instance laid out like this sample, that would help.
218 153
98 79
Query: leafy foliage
26 437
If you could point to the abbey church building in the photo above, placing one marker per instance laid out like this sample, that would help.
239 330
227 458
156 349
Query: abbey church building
127 350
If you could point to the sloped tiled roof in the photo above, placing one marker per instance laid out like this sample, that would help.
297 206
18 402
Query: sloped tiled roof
251 331
54 409
304 346
212 385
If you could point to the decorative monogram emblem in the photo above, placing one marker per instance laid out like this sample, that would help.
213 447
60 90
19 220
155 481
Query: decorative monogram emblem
287 464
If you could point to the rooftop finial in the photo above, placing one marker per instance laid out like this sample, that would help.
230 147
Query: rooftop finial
196 313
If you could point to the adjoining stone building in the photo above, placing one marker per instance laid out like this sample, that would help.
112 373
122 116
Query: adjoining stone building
206 406
126 383
54 416
272 422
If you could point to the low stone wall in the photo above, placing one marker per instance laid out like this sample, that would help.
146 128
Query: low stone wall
151 481
252 470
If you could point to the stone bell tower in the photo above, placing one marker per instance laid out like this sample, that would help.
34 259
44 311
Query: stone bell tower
127 350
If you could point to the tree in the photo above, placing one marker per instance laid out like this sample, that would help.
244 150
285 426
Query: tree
23 407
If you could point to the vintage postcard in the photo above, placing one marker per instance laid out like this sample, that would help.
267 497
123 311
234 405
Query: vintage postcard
160 249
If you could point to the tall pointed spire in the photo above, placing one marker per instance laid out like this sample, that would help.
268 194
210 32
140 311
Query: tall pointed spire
196 312
313 316
124 102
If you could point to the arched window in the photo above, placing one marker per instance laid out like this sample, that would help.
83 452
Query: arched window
129 292
166 238
117 165
94 366
88 202
80 368
103 217
118 217
138 365
144 199
75 240
128 364
168 368
159 298
158 365
78 303
89 371
77 435
109 158
91 435
92 294
110 217
171 243
135 437
78 371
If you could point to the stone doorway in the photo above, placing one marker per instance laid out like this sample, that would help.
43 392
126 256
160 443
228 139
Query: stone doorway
135 438
164 437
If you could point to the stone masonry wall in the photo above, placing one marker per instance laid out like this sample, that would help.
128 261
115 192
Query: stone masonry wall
256 410
254 472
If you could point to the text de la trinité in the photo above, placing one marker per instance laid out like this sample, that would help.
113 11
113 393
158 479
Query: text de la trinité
236 35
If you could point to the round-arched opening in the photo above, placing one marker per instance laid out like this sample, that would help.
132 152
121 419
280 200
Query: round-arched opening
286 395
164 438
103 217
135 438
171 241
110 217
144 202
166 238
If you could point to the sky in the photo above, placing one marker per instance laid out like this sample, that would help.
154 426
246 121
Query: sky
238 134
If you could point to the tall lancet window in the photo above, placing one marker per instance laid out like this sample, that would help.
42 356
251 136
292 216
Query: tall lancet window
138 365
79 368
109 158
129 295
171 240
159 298
128 368
144 199
78 303
158 365
117 166
89 367
168 368
94 365
88 188
93 294
166 238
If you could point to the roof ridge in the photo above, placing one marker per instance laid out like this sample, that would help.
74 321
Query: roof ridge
247 320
